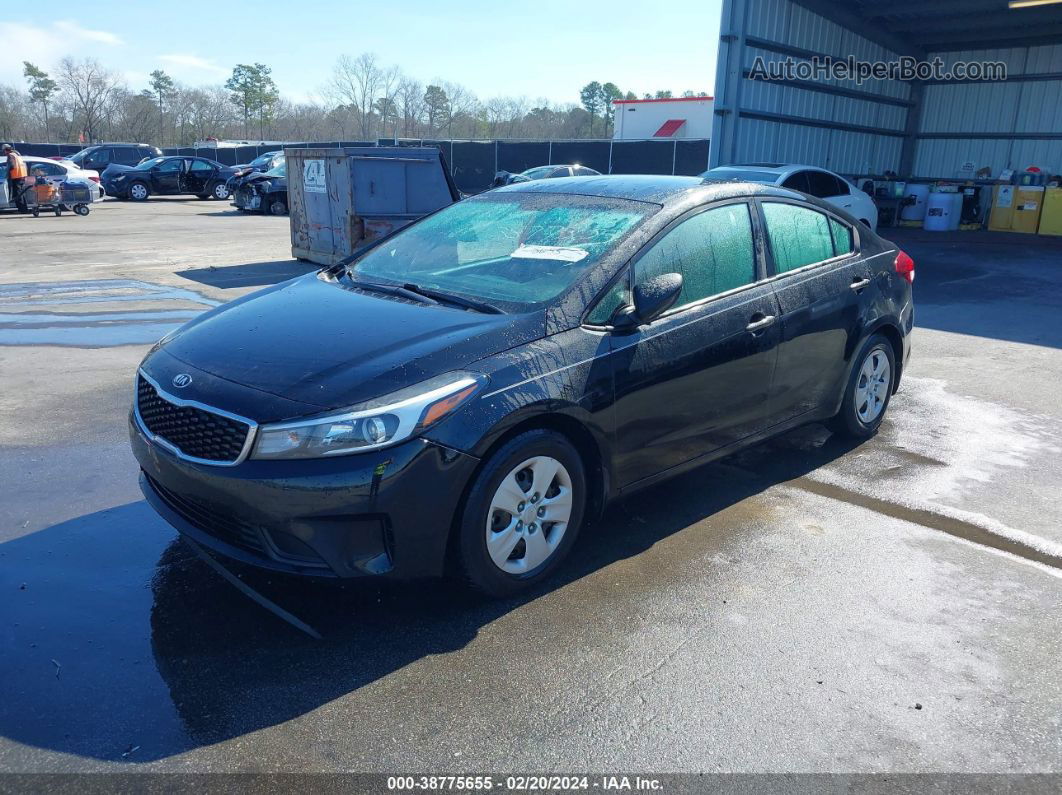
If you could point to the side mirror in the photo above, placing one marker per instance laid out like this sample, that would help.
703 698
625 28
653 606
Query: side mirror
651 300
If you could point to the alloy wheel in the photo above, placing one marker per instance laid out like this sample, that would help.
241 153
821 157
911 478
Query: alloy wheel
872 386
529 515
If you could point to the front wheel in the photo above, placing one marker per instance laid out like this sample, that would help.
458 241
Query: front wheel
138 192
221 191
278 207
868 390
523 513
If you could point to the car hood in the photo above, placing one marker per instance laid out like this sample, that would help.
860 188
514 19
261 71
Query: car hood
325 343
115 168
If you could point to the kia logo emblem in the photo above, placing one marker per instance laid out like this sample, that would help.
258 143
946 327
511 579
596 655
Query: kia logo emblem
181 380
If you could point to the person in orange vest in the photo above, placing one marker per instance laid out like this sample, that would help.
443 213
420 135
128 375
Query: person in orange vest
16 172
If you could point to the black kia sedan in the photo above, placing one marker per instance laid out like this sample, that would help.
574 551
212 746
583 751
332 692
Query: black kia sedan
168 176
465 395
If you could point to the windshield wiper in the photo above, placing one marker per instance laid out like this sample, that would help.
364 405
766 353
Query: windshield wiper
391 289
457 300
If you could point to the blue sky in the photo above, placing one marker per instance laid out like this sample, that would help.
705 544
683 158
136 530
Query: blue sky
541 48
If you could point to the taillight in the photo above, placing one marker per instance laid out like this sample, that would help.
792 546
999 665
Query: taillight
95 179
905 266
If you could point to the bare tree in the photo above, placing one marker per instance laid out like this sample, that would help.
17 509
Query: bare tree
360 82
91 89
410 98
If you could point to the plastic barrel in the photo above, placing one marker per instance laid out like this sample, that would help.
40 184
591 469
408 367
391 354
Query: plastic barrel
916 211
939 210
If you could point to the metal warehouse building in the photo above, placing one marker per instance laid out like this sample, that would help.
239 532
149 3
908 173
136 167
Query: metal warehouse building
922 128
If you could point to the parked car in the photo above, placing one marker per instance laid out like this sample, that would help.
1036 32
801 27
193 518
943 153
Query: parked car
99 156
168 176
543 172
249 171
468 393
264 193
807 179
266 162
57 172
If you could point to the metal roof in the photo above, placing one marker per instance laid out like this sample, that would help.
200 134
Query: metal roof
917 27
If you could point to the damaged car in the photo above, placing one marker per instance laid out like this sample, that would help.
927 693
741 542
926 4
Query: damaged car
464 396
263 192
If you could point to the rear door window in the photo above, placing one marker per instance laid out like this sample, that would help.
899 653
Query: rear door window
713 251
821 184
798 236
797 181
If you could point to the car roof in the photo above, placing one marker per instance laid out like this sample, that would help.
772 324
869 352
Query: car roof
648 188
772 168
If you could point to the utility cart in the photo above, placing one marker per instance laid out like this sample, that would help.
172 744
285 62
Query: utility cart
39 194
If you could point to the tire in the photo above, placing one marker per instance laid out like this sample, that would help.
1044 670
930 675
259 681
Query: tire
868 390
220 192
278 207
82 209
504 506
139 192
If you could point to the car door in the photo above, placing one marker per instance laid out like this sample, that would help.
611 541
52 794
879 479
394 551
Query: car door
819 280
166 176
198 177
696 379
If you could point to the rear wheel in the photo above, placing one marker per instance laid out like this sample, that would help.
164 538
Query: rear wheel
522 514
868 390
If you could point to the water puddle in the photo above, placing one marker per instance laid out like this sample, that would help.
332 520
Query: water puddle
53 317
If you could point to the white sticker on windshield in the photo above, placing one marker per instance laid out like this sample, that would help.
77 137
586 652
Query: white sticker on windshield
555 253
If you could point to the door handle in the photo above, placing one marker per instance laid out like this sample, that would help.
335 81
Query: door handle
859 284
756 326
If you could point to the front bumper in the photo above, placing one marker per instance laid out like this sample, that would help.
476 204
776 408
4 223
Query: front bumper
385 512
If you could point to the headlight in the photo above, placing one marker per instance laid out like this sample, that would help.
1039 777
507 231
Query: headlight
371 425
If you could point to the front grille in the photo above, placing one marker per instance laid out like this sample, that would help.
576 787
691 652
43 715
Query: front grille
219 524
197 433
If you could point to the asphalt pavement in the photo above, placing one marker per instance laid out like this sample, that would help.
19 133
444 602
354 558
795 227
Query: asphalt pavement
804 606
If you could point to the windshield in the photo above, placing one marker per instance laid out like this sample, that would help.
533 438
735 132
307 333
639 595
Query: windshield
741 175
281 170
263 160
77 157
541 172
516 249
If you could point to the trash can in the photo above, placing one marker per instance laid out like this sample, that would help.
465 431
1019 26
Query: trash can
341 199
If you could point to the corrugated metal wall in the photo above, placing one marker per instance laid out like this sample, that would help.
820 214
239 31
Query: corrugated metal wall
861 129
744 132
977 121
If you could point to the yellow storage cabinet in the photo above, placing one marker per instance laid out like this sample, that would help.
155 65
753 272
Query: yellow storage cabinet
1051 218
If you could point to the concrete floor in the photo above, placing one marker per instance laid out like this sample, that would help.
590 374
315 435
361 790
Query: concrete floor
804 606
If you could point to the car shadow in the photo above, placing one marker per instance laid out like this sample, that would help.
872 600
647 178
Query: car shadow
134 650
252 274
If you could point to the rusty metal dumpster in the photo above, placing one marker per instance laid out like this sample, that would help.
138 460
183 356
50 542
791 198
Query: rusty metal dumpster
342 199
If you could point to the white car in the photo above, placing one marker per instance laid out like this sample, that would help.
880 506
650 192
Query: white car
56 172
813 181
